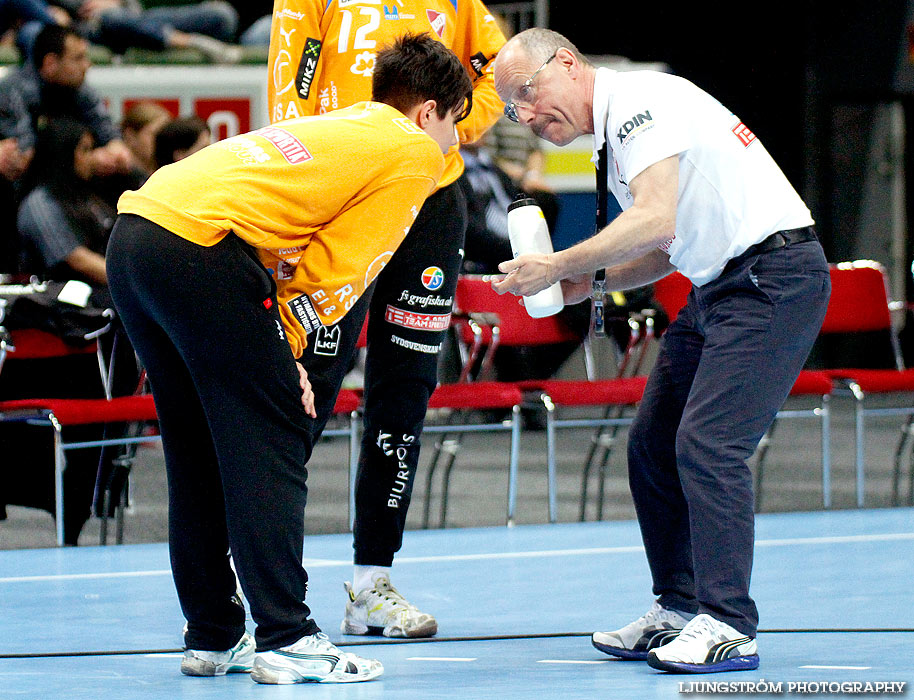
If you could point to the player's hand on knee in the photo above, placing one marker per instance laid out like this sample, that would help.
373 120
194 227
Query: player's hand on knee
307 395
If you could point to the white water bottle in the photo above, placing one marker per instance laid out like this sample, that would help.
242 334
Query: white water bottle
529 233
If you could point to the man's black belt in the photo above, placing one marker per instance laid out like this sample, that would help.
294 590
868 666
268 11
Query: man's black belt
778 239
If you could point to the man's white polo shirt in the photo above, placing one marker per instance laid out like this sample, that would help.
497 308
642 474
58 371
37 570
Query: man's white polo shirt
731 192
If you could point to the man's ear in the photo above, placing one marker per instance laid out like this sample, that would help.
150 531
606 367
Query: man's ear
424 115
567 60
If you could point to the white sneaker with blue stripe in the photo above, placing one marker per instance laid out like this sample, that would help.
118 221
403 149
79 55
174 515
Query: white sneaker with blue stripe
706 645
658 626
313 659
238 659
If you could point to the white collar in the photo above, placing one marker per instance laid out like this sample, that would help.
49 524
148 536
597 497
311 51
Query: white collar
602 92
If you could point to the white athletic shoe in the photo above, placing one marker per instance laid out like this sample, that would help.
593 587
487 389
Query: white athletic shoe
238 659
706 645
658 626
382 610
313 659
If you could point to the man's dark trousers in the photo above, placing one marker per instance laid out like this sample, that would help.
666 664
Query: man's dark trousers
725 368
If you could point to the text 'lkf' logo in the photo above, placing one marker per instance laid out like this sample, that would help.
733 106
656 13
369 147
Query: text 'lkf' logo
633 123
432 278
292 149
743 134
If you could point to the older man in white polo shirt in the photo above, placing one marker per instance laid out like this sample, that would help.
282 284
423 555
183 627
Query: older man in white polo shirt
699 194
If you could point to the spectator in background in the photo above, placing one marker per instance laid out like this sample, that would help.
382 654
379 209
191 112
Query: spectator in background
139 127
13 164
180 138
254 20
124 24
53 84
489 190
15 13
63 223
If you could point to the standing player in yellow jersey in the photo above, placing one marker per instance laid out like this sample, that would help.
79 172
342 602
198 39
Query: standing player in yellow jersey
219 339
322 55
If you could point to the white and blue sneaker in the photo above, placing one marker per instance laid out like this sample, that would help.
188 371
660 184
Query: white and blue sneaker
313 659
238 659
706 645
658 626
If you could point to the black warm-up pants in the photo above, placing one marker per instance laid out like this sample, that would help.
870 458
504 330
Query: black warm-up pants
236 438
410 304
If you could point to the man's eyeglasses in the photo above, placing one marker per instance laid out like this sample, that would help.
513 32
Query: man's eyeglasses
525 94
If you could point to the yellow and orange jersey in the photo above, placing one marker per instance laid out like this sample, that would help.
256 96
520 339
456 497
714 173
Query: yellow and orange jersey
322 55
325 200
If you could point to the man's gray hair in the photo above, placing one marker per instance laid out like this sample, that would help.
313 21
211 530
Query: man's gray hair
539 44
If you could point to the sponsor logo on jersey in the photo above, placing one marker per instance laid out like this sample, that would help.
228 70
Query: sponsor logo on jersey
417 347
426 300
289 146
401 450
393 12
346 3
307 67
743 134
303 311
363 64
437 20
479 61
417 321
327 341
408 125
327 98
639 122
291 14
378 264
665 246
432 278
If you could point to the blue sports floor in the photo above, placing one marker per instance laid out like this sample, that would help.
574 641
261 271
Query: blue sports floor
515 609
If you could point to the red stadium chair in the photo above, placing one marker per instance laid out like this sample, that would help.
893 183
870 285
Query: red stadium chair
60 413
508 325
463 402
860 303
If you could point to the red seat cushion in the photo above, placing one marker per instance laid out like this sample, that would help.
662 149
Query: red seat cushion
123 409
877 381
476 395
347 401
33 344
625 391
812 382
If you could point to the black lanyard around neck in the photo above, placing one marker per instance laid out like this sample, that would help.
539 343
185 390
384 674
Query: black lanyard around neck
599 277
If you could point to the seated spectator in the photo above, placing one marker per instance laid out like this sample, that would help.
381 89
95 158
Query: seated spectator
254 20
37 13
62 222
53 84
124 24
258 34
180 138
139 127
